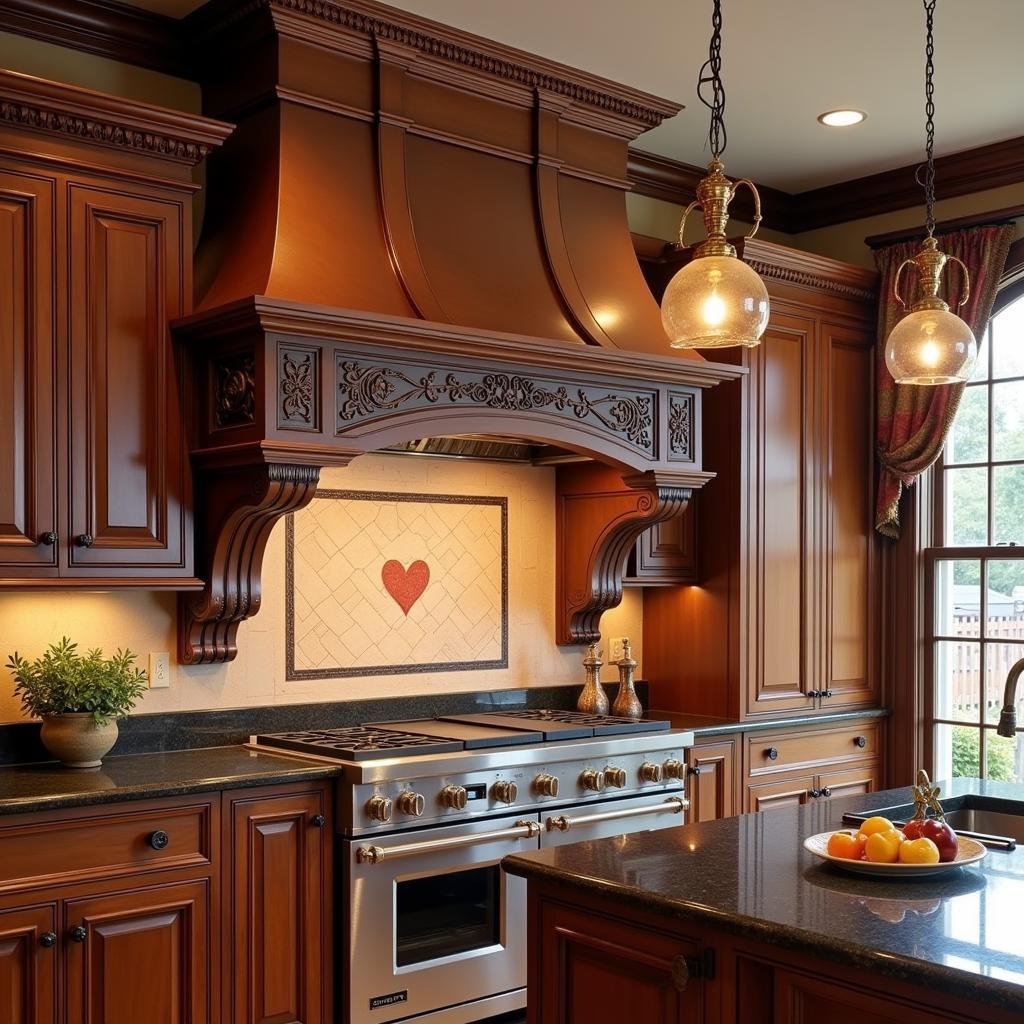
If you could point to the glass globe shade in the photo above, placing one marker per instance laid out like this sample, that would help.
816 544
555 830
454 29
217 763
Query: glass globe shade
715 302
931 346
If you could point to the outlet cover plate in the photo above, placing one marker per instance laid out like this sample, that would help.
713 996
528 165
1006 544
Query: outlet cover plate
159 670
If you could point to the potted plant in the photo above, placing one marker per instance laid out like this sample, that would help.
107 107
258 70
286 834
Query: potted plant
79 698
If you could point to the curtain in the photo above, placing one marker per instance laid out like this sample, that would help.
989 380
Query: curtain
913 420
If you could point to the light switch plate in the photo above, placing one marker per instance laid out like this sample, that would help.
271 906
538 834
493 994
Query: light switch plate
159 670
615 651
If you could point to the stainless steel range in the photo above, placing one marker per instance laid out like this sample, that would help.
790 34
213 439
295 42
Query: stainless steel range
431 929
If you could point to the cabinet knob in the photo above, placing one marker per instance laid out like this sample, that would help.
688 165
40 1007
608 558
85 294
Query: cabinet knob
49 539
860 741
84 540
814 793
826 693
826 791
48 940
772 753
811 694
159 840
318 821
78 934
693 769
688 968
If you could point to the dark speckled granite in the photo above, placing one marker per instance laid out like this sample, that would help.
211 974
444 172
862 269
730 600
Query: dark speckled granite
703 725
750 875
42 787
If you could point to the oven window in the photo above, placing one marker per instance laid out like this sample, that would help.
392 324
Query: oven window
443 915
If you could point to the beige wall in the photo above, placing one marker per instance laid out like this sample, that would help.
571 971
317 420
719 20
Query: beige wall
145 621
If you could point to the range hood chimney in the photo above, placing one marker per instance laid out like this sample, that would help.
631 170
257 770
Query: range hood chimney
414 231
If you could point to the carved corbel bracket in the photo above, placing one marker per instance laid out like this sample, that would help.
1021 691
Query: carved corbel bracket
241 506
598 522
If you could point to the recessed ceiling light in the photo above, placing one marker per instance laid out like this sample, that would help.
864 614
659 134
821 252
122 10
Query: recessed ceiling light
841 118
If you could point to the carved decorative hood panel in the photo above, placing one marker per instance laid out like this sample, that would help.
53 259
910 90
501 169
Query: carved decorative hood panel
413 232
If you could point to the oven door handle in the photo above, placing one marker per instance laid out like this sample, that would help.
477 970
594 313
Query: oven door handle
674 805
375 854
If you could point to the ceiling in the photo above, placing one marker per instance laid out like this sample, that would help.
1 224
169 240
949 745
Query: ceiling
784 62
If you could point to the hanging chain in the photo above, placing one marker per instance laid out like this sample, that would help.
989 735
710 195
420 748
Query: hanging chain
929 110
711 75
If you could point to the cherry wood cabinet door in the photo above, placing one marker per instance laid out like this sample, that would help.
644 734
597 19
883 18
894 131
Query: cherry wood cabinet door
28 966
29 545
279 909
766 796
783 476
712 777
139 956
594 968
128 487
850 782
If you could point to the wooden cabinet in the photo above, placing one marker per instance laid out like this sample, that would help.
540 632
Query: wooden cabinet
666 554
95 260
214 909
139 955
713 771
784 620
278 845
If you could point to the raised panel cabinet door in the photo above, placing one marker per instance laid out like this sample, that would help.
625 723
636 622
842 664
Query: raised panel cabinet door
139 956
28 966
128 487
767 796
711 781
29 544
279 913
594 968
666 554
850 782
781 466
849 552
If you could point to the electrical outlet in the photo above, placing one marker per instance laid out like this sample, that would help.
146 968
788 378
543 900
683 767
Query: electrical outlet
159 670
615 650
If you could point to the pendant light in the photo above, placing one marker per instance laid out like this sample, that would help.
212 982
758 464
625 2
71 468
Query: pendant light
716 300
930 345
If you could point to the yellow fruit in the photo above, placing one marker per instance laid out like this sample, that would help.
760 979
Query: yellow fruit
846 845
876 824
919 851
884 847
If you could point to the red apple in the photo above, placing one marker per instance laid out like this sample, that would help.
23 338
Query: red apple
938 832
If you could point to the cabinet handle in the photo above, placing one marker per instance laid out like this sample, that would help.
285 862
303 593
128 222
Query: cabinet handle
814 793
860 741
826 693
827 791
47 940
78 933
319 821
686 967
84 540
680 973
159 840
49 538
772 753
693 769
813 693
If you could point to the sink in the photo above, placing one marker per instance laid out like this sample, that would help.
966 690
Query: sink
979 817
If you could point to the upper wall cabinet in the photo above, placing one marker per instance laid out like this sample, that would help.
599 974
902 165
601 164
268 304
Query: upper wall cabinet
95 259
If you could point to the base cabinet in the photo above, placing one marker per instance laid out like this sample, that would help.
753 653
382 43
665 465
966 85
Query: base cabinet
28 965
712 771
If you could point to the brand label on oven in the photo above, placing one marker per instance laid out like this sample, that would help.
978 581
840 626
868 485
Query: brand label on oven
390 999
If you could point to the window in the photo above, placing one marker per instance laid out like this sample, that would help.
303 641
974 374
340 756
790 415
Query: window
976 570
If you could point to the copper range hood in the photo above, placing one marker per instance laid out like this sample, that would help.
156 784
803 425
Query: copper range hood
414 231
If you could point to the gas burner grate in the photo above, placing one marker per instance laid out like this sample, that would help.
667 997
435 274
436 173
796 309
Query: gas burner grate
603 725
359 743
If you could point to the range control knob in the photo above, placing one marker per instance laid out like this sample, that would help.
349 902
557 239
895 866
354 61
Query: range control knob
504 792
378 808
673 769
410 803
546 785
615 777
594 781
651 772
454 797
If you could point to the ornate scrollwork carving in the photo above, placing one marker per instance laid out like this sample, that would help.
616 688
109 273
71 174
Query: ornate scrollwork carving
680 428
234 398
367 390
297 386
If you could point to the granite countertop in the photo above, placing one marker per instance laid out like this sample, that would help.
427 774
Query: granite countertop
43 787
750 875
705 725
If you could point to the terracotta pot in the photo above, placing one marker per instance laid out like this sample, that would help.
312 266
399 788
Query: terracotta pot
76 740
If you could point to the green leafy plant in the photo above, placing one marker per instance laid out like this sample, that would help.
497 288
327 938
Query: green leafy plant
63 681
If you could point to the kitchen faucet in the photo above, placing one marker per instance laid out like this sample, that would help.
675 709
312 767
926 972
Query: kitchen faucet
1008 719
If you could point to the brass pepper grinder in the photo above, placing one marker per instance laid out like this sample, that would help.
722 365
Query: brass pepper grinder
627 703
593 700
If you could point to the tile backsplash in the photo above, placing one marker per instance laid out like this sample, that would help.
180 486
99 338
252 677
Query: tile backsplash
145 620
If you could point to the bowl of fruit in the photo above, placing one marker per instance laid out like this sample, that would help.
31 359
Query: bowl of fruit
924 847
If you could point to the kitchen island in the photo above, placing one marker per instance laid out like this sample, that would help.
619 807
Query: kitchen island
732 920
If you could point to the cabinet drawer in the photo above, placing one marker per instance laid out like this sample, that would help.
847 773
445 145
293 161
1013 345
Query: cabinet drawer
85 847
799 749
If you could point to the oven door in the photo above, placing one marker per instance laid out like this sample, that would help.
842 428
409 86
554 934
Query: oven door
613 818
434 923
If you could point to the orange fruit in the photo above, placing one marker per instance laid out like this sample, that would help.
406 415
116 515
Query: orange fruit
875 824
919 851
846 845
883 847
